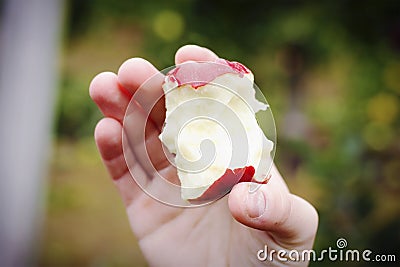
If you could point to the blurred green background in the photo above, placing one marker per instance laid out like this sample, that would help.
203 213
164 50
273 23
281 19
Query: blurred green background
329 69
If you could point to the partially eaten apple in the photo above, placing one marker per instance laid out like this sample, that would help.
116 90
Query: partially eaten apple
211 128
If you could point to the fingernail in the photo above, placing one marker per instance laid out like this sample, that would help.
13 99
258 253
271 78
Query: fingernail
255 204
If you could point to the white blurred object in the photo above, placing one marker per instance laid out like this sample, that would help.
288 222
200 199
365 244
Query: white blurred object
29 52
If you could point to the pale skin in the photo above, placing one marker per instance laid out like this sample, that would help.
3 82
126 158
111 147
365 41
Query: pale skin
228 232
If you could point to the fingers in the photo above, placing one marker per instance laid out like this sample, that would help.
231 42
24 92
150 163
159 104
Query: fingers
108 135
194 53
143 140
134 74
289 219
111 98
112 93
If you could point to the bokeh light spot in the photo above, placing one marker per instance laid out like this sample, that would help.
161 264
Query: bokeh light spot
378 136
168 25
383 108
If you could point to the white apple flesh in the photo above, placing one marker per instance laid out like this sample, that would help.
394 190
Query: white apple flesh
211 127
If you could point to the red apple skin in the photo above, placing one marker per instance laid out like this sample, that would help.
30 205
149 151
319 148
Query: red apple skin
225 183
198 74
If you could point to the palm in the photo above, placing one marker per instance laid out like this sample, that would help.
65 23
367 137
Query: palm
196 237
205 235
209 235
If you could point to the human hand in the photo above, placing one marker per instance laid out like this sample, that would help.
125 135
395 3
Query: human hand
228 232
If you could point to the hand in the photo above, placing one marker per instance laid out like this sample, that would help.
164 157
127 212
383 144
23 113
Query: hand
229 232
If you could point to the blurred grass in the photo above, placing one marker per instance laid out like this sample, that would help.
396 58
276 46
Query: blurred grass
86 224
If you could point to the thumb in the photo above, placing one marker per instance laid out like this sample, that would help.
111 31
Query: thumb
289 218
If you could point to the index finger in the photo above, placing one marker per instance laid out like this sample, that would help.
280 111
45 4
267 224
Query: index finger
194 53
144 81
